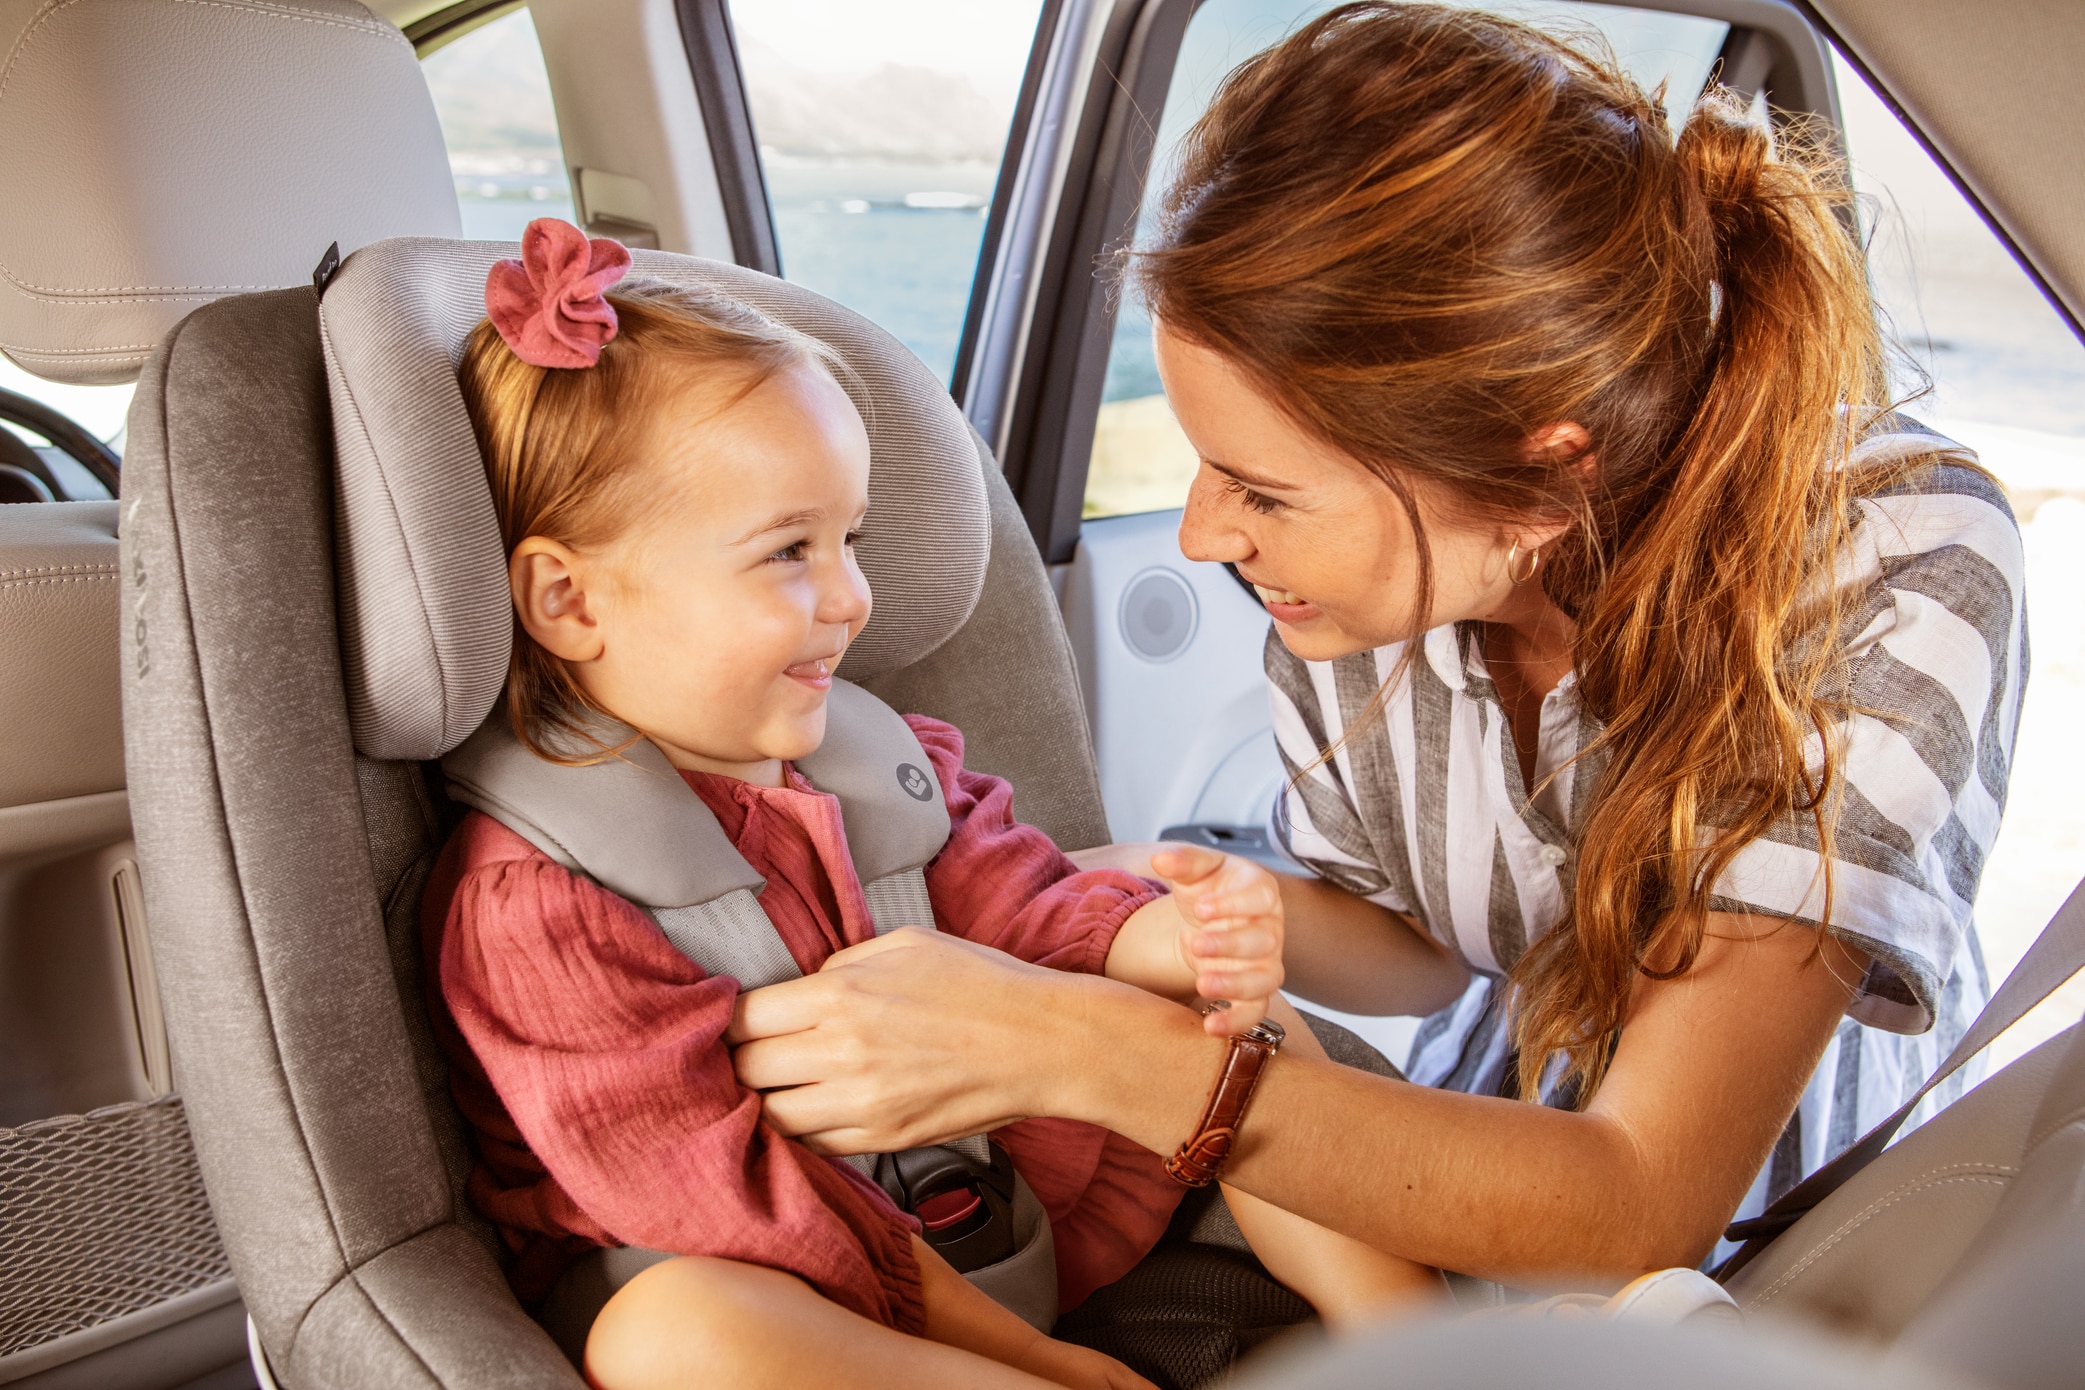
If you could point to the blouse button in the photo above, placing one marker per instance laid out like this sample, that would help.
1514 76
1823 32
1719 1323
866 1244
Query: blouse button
1554 856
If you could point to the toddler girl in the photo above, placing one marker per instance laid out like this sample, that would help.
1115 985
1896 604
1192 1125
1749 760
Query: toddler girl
680 481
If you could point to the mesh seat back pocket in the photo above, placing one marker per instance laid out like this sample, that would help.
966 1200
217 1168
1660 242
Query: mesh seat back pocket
101 1215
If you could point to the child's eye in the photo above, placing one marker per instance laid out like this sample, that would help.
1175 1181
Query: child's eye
792 553
1258 501
854 537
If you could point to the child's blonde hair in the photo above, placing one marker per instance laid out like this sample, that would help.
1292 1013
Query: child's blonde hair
563 449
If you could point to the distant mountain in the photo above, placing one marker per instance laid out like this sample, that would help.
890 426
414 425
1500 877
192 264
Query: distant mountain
889 112
496 112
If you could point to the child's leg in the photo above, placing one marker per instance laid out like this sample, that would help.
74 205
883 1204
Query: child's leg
1345 1280
696 1322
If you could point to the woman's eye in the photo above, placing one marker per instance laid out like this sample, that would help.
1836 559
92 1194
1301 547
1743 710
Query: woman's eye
1258 501
853 538
792 553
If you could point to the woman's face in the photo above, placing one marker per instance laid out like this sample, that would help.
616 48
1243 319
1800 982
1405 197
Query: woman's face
1325 542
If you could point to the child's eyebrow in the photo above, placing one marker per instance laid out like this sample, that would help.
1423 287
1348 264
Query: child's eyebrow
795 518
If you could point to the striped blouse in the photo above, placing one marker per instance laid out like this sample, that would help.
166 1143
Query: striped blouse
1425 811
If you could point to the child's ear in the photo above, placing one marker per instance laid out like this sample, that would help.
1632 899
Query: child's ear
548 582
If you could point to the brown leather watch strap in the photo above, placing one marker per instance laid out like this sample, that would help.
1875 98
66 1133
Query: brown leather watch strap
1202 1157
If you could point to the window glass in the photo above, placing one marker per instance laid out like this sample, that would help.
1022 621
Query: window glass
2008 379
493 97
1141 462
881 124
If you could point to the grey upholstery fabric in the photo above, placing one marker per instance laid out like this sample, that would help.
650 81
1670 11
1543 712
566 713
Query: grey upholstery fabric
629 823
424 605
1029 728
293 1053
116 221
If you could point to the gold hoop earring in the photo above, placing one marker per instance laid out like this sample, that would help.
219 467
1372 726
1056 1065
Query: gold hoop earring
1534 563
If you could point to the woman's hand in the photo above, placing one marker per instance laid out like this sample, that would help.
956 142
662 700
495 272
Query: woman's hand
1230 932
913 1038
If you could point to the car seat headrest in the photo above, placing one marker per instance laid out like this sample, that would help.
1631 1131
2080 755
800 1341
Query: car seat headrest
159 154
426 623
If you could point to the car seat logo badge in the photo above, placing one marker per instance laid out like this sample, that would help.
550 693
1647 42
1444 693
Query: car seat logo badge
917 784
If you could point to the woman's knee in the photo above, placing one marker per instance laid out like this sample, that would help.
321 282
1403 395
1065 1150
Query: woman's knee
688 1316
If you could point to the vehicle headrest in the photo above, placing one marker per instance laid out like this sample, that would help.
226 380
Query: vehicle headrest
426 622
159 154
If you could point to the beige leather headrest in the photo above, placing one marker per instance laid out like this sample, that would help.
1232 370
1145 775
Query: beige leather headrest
158 154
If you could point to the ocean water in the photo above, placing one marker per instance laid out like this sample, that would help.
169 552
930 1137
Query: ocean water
897 243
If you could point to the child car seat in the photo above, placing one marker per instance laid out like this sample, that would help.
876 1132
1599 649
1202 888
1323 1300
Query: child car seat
283 863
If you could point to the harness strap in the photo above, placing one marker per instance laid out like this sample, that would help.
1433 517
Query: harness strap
2056 955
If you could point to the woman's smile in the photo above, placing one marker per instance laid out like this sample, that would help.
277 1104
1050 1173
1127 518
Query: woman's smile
1285 606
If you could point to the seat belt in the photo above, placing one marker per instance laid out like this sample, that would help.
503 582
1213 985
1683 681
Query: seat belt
2057 954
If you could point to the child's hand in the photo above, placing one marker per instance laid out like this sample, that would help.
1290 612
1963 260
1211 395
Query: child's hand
1230 931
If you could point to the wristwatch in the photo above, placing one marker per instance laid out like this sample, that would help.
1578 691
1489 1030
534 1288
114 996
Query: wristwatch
1202 1157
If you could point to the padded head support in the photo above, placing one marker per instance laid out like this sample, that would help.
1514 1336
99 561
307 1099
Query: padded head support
159 154
426 622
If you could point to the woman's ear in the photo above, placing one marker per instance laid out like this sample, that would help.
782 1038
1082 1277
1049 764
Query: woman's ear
1566 443
549 584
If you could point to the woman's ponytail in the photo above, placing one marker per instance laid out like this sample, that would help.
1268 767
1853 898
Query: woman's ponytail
1710 650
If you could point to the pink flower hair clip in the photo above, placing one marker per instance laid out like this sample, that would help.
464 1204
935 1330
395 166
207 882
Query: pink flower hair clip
548 305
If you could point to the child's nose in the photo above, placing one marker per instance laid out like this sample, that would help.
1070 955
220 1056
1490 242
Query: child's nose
844 598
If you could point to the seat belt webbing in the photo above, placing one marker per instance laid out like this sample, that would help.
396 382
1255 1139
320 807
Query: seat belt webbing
2056 955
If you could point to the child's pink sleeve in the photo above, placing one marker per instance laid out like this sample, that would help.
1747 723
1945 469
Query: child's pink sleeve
1004 884
605 1044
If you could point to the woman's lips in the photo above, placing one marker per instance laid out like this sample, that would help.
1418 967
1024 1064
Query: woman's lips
1284 606
816 674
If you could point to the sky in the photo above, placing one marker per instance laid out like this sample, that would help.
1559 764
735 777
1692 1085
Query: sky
985 40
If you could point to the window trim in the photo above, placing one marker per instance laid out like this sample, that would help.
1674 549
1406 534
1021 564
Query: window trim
445 26
727 118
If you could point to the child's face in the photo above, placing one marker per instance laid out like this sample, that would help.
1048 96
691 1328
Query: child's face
714 623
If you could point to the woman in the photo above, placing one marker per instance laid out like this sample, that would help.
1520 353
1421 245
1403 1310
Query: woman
1648 689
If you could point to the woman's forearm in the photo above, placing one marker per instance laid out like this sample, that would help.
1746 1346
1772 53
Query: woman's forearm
1348 954
1455 1181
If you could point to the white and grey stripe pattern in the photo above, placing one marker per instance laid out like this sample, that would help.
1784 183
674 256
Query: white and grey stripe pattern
1426 813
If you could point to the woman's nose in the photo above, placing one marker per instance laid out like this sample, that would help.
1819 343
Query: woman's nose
1205 532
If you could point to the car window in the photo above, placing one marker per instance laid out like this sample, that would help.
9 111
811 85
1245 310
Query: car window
492 95
881 124
2007 378
1141 462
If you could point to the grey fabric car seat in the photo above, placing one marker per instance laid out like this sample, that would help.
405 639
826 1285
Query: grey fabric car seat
287 905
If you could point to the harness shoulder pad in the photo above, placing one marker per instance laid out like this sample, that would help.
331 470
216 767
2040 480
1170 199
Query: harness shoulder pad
630 823
890 801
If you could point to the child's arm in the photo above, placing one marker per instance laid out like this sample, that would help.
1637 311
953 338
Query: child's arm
1216 936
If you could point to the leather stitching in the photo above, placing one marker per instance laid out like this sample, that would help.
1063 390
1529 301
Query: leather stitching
58 579
1995 1175
369 29
75 352
38 571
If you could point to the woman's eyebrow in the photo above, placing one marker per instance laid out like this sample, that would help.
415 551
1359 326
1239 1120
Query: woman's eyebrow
795 518
1248 477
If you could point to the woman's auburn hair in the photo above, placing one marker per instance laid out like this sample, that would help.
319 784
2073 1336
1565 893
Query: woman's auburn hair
565 449
1427 234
